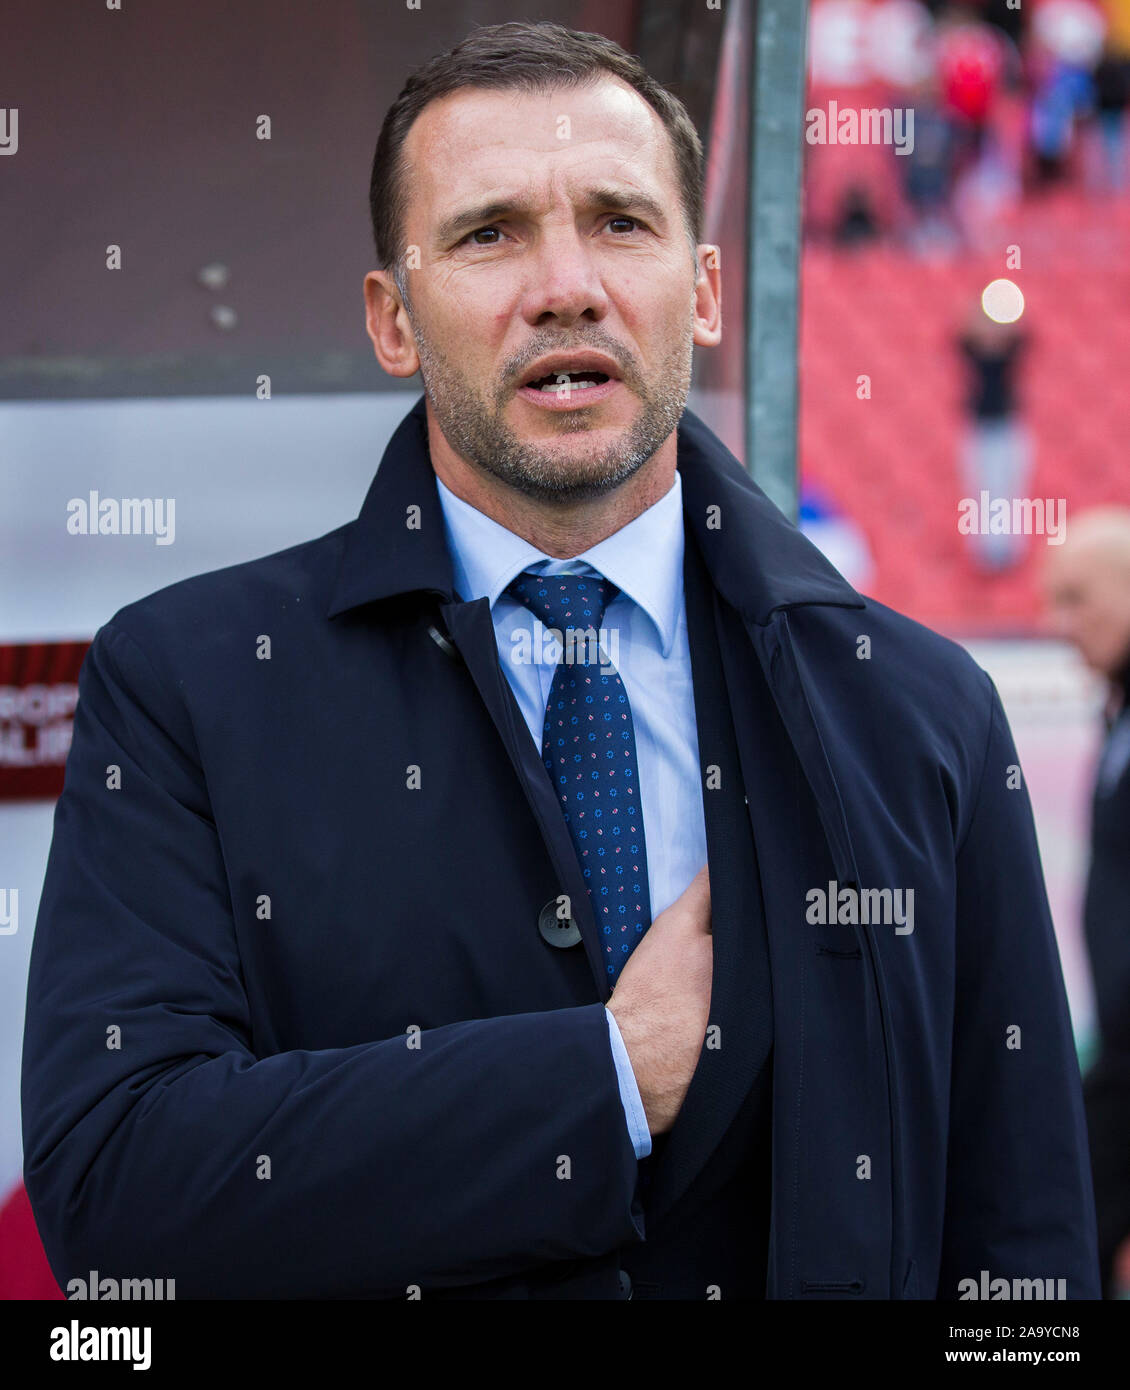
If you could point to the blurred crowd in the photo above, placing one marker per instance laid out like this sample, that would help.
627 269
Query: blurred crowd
1006 103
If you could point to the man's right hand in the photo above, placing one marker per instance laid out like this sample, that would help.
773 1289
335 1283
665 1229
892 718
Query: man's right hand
661 1002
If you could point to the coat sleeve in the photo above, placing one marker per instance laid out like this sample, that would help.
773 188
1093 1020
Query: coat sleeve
158 1144
1019 1200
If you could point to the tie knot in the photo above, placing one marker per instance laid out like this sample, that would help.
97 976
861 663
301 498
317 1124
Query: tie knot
564 601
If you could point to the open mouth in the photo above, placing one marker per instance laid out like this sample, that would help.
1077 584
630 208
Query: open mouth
567 382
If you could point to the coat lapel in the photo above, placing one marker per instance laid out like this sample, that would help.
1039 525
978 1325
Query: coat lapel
398 546
472 630
740 1033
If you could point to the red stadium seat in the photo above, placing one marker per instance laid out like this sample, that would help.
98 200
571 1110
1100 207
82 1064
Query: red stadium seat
24 1271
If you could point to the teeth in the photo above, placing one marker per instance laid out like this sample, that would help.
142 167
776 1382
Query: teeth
567 386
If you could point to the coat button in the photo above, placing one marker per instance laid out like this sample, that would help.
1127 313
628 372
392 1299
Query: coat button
625 1284
557 931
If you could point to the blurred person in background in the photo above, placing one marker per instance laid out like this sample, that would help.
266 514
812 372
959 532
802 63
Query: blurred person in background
1065 44
837 535
1088 588
928 169
1112 96
997 450
856 225
971 62
977 64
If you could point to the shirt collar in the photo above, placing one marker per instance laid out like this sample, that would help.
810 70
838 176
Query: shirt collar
644 558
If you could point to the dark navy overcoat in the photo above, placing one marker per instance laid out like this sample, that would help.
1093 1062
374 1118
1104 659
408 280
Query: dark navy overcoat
292 1027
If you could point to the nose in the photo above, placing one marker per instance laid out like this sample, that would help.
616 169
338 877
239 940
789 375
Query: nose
565 285
1058 625
1063 622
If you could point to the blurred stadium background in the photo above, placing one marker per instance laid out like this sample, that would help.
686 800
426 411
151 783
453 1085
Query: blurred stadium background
244 257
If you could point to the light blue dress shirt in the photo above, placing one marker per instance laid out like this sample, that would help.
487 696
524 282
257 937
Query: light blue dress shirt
644 559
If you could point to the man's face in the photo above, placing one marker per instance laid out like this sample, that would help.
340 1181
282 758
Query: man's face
1088 592
552 246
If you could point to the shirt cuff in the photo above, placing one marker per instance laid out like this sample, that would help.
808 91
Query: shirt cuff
629 1092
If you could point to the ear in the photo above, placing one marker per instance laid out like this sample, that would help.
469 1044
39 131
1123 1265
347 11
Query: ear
388 325
708 297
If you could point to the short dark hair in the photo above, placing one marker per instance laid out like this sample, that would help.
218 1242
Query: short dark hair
528 57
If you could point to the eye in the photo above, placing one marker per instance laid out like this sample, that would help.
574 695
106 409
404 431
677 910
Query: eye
480 231
633 222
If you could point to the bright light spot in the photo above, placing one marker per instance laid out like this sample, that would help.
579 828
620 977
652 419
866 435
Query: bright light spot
1002 301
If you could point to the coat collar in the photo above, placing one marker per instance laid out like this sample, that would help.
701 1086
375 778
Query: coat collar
758 560
643 559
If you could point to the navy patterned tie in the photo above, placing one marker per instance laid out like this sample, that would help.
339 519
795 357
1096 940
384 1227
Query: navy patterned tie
589 751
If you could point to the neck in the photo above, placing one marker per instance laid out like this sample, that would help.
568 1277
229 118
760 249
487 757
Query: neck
559 529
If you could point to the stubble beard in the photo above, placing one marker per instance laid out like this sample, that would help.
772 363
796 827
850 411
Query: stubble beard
476 429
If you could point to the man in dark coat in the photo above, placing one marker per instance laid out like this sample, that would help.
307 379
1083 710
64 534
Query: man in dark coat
378 954
1088 588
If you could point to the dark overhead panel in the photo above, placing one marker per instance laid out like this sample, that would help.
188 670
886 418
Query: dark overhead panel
239 256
